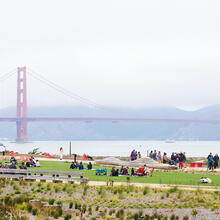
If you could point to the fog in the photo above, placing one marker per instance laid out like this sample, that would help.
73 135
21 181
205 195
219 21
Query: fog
116 53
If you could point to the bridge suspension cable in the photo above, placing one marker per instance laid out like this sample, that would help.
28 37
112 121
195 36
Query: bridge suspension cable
7 75
64 91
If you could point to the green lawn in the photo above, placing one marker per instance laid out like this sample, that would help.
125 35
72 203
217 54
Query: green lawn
172 177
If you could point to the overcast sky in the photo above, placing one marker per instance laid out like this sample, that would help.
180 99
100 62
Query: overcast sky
116 53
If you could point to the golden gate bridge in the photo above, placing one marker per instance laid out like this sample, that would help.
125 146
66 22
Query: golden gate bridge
21 119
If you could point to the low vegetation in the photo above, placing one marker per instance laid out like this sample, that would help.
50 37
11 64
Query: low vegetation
73 201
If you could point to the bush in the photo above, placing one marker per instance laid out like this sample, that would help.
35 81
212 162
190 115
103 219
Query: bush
90 211
214 207
172 217
29 207
59 203
71 205
194 212
51 201
120 214
4 211
146 190
35 151
34 211
84 208
173 189
67 217
57 213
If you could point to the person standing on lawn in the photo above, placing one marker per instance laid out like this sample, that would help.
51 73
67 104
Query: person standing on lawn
61 153
210 161
216 159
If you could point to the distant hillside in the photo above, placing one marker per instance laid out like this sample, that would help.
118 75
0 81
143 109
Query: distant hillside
116 131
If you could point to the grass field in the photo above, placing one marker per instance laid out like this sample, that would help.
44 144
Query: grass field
47 200
160 177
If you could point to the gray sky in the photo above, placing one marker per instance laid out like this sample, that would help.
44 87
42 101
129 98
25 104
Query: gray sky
119 53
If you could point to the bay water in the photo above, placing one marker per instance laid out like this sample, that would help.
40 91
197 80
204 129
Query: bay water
117 148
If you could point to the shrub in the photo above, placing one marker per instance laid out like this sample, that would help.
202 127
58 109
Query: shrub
8 201
56 189
84 208
146 190
214 207
172 217
194 212
67 217
15 187
51 201
120 214
173 189
85 188
136 217
102 192
59 203
186 217
4 211
57 213
34 211
71 205
48 187
29 207
17 192
90 211
146 217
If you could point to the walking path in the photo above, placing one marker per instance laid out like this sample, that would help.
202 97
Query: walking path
160 186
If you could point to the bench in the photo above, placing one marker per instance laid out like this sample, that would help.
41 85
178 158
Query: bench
43 175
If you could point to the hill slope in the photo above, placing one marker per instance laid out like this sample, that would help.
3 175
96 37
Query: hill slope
117 131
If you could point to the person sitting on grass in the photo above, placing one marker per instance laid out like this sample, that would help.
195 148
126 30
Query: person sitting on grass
125 171
37 163
89 166
12 159
81 167
132 171
13 166
6 165
73 165
32 162
146 171
23 167
121 170
114 172
28 164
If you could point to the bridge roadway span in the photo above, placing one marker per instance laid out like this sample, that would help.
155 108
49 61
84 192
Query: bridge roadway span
105 119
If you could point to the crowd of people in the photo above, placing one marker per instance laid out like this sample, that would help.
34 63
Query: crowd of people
13 162
212 161
135 155
124 171
175 158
